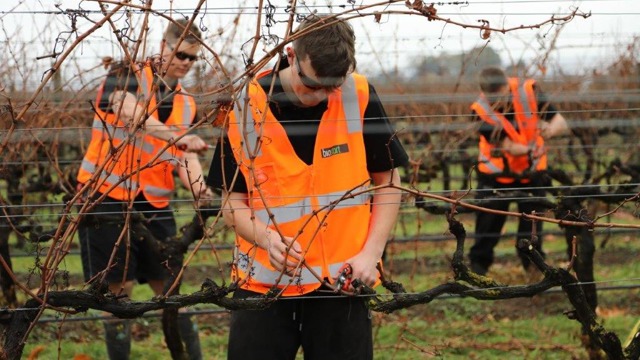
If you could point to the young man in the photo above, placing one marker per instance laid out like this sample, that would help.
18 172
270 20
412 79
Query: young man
140 110
516 119
294 167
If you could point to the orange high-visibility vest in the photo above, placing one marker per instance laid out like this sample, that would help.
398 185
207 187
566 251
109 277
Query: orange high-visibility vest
115 153
311 203
526 116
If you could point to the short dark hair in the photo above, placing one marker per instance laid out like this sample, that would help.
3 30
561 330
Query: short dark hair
175 29
331 49
492 79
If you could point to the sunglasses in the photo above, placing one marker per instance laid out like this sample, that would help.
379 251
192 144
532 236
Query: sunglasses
181 55
311 84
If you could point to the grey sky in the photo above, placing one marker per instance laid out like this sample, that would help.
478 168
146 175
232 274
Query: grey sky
396 42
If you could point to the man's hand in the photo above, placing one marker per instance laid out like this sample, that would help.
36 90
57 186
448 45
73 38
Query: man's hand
364 268
557 126
514 148
191 143
203 196
544 129
279 257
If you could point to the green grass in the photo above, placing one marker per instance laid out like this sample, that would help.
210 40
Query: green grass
445 328
466 328
88 340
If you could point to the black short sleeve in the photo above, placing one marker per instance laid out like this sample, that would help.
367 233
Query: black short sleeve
384 151
224 168
546 110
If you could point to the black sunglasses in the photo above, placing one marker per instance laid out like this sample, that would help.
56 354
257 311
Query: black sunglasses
310 83
181 55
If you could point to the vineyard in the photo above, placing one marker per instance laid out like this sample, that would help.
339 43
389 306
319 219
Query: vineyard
579 302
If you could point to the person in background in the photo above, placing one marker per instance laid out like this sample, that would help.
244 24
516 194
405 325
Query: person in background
136 174
319 134
516 118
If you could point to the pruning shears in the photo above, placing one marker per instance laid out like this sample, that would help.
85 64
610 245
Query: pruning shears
344 278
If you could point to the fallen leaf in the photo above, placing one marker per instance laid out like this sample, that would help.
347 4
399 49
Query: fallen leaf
33 355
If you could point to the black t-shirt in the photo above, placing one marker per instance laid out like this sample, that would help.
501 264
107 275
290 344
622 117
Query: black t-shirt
546 111
301 125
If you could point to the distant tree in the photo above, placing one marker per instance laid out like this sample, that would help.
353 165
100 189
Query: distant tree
518 69
478 58
452 64
435 65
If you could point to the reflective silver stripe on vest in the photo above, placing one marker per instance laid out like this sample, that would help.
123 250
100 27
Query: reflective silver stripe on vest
351 105
536 161
187 111
524 100
262 274
492 167
302 208
482 101
166 156
157 191
119 133
287 213
144 83
246 127
361 199
110 178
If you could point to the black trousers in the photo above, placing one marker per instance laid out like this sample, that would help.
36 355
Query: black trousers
489 226
100 230
327 327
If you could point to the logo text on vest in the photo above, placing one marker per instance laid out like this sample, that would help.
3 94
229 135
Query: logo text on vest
335 150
